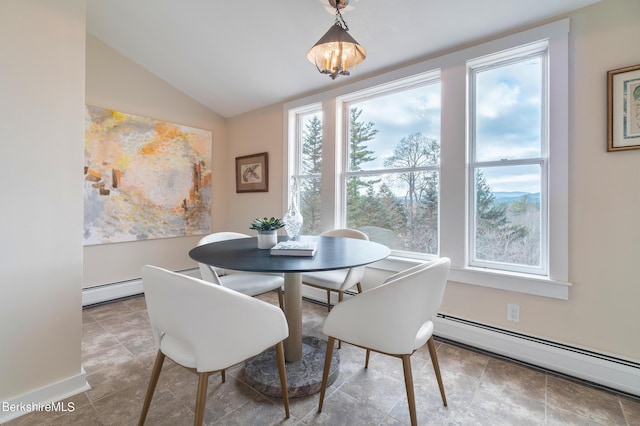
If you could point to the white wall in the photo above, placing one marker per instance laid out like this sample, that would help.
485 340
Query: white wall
115 82
252 133
41 133
602 311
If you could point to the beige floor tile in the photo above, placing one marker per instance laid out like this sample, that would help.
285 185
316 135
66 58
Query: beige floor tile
459 359
594 404
118 352
631 410
502 375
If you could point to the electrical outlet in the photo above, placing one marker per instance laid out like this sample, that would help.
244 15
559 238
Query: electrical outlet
513 313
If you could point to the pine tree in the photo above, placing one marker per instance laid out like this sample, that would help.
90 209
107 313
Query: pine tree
359 134
310 201
495 233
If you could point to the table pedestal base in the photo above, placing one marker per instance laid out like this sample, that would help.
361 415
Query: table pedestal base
304 377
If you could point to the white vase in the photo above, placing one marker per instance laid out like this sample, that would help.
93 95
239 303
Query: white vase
267 239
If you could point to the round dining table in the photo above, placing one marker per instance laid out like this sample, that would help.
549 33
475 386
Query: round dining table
332 253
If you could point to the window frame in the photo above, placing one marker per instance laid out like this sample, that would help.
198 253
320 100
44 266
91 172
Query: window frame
474 66
454 170
344 104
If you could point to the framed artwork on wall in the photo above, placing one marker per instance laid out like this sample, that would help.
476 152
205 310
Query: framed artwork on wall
623 108
252 173
144 178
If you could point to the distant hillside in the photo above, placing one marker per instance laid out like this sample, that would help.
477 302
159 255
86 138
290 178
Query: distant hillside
507 197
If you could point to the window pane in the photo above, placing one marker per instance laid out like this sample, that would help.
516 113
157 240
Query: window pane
380 125
309 170
507 214
399 210
508 111
310 204
311 140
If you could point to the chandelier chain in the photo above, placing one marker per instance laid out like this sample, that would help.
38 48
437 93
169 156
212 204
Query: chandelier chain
339 19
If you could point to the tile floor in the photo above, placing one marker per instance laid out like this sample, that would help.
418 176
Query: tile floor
118 353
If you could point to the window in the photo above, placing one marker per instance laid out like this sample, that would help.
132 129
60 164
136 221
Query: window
391 175
508 160
463 156
308 166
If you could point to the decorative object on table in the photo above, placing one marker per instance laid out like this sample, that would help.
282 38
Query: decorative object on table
293 218
267 231
140 172
623 108
337 53
295 248
252 173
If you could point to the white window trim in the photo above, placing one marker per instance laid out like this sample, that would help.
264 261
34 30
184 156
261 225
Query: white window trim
453 174
539 49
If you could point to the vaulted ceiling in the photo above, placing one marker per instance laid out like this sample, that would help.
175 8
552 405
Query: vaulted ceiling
237 56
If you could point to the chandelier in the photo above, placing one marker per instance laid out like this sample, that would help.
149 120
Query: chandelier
337 53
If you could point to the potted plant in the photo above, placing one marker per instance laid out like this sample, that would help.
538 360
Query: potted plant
267 231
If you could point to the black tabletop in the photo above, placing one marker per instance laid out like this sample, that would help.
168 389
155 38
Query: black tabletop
333 253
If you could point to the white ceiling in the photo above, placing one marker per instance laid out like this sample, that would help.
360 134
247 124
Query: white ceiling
237 56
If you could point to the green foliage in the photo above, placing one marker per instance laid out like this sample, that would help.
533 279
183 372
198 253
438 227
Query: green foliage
310 202
266 224
505 232
497 237
312 146
359 133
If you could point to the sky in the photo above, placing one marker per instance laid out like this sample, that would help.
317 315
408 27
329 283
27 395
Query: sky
508 124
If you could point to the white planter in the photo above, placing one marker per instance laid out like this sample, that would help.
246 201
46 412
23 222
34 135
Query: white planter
267 239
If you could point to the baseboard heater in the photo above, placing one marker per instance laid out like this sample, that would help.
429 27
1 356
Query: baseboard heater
606 371
121 289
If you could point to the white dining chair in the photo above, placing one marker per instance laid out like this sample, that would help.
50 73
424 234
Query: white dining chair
394 319
249 283
207 328
341 279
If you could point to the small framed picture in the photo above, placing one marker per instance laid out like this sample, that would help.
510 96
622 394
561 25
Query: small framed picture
623 108
252 173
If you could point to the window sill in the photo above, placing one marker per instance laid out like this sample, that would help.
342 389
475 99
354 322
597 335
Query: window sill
509 281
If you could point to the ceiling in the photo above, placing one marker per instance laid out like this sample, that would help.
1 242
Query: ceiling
237 56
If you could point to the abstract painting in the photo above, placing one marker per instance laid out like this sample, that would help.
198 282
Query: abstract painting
144 178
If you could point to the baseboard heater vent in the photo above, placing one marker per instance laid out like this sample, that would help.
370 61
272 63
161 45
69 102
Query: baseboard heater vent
606 371
120 289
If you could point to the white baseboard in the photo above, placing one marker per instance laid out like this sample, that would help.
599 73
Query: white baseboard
602 369
45 399
114 291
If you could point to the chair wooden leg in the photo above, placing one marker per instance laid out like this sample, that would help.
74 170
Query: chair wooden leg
201 399
328 300
366 359
153 381
436 368
325 373
359 287
408 382
283 377
281 298
340 299
224 376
